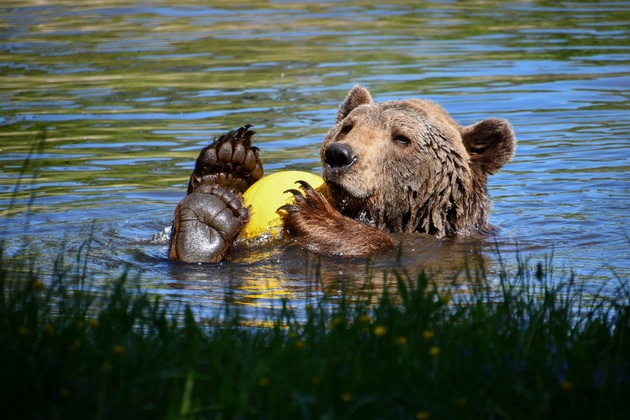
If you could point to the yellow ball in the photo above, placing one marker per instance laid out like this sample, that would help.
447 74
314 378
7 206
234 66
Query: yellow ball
267 195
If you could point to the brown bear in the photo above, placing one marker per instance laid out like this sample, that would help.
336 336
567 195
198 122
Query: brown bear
390 167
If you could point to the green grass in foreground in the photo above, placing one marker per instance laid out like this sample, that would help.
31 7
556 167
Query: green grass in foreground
530 351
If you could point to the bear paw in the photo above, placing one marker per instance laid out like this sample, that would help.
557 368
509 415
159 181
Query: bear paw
206 224
230 162
314 224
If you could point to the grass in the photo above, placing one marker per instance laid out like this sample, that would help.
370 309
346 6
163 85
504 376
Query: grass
521 347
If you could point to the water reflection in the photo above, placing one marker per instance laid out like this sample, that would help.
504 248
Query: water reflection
264 276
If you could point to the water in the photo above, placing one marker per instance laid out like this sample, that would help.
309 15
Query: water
126 93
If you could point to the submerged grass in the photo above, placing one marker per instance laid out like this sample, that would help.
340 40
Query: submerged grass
515 348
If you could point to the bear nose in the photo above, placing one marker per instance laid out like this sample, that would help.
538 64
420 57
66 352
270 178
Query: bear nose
339 155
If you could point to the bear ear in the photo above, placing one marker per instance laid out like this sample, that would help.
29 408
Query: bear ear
490 143
358 95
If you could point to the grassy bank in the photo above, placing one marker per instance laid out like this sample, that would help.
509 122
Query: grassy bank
517 349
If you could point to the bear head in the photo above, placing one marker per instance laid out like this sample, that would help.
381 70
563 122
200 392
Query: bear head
407 166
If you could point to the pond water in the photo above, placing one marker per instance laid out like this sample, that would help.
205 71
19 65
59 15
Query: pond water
126 93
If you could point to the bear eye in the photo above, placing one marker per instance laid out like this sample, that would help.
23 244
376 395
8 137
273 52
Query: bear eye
346 128
401 139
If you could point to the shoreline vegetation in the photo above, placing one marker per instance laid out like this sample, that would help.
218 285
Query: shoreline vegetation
513 345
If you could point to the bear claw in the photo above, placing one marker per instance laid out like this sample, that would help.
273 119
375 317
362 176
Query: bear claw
308 197
305 185
296 193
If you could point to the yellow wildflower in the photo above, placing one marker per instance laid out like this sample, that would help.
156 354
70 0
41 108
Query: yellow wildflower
299 345
38 285
49 329
566 385
118 349
401 340
365 318
427 335
380 330
92 323
334 322
422 415
263 381
346 396
434 351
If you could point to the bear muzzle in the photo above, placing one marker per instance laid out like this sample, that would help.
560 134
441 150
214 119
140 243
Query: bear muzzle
340 172
339 156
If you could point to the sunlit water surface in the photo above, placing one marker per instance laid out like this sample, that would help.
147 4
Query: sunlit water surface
126 93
